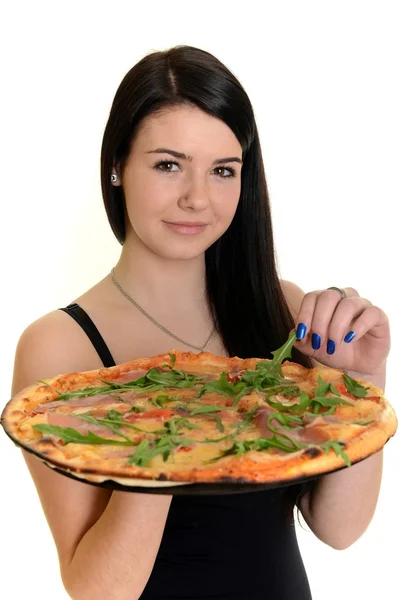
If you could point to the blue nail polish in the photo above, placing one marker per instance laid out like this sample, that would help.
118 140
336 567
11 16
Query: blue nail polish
350 336
331 347
301 331
315 341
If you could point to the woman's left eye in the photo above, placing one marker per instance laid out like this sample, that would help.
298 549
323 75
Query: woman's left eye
232 172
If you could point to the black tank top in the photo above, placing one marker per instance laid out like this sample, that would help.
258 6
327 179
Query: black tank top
222 547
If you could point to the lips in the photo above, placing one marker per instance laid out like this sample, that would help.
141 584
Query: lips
186 227
186 223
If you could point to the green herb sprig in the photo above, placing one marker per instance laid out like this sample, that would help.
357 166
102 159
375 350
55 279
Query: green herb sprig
353 387
70 435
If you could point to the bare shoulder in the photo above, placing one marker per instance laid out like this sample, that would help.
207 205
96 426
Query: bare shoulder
294 296
52 345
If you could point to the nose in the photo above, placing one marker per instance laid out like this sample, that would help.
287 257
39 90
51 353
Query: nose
194 195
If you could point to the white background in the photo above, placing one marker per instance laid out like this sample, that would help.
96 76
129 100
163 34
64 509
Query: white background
323 78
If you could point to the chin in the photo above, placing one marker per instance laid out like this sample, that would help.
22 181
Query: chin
181 253
182 250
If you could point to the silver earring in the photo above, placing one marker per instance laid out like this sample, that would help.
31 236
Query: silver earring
114 178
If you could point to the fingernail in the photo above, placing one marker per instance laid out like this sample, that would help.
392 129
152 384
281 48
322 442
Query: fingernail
330 348
315 341
301 331
350 336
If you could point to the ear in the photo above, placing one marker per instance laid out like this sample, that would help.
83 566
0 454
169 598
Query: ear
115 172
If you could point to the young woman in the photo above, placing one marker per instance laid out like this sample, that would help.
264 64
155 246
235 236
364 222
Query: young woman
185 192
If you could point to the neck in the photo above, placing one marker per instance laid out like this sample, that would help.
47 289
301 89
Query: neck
154 281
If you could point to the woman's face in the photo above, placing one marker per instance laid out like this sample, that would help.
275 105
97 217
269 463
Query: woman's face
178 206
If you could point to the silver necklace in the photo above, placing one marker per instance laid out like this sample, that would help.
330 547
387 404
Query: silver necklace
201 348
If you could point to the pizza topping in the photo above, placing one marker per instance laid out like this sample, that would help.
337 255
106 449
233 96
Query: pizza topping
76 423
163 399
114 421
73 401
353 387
315 434
337 447
155 379
315 403
235 376
129 376
103 411
147 450
150 414
205 409
279 441
261 419
321 417
70 435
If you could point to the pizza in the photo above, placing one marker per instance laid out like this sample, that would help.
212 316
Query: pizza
183 418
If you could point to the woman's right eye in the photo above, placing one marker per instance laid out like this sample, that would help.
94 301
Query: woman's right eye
165 163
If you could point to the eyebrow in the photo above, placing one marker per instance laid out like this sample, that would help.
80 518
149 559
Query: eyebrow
190 158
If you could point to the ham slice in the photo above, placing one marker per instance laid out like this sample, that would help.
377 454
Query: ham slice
312 435
82 401
261 419
130 376
79 401
78 424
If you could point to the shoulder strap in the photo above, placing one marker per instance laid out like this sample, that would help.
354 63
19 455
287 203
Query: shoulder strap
83 319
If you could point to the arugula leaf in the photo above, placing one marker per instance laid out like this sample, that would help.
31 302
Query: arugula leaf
114 415
337 447
163 399
152 381
84 392
267 375
283 352
140 385
324 387
262 378
308 403
353 387
147 450
113 421
267 382
283 419
113 424
222 386
205 409
140 456
220 426
172 378
175 424
136 409
259 444
70 435
247 419
285 443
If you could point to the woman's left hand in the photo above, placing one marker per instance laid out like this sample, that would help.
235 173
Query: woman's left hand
349 334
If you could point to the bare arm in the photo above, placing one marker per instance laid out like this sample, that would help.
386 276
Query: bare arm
106 542
114 559
342 504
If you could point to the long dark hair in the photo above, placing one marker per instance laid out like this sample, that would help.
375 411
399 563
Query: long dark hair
244 292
